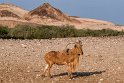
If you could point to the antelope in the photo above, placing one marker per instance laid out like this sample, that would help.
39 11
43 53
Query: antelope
70 58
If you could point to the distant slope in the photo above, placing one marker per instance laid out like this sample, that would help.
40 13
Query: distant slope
13 9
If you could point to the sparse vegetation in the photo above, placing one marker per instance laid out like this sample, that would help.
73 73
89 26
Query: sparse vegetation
4 32
48 32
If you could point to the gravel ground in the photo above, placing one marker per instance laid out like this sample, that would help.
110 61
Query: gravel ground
21 61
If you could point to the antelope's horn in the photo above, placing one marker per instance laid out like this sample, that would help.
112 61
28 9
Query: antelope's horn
69 44
78 41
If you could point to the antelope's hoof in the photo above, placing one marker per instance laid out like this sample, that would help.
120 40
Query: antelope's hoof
70 77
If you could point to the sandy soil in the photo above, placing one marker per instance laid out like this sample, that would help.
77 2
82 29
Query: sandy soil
21 61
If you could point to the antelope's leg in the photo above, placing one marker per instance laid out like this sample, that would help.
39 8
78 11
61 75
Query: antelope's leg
49 68
45 70
69 71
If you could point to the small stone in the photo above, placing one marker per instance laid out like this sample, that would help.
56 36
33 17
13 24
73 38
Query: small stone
38 75
10 79
119 67
28 67
118 80
11 45
2 48
23 45
28 71
101 79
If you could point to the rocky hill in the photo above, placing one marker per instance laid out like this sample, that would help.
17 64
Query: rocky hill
11 15
46 11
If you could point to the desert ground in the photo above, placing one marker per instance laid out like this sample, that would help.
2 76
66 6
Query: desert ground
21 61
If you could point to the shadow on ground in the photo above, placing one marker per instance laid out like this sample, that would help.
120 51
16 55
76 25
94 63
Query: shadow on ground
80 74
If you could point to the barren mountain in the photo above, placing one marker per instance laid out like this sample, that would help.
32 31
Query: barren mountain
11 15
47 11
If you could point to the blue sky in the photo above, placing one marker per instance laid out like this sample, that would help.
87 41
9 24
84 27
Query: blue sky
109 10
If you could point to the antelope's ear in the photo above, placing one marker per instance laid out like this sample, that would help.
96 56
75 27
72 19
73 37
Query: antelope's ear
75 45
78 41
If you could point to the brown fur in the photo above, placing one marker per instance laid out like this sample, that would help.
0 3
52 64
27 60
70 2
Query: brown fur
70 57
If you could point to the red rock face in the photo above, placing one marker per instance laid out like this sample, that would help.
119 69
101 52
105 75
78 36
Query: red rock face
46 10
6 13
